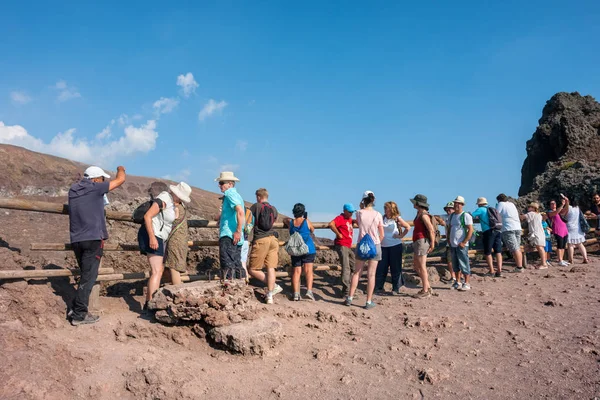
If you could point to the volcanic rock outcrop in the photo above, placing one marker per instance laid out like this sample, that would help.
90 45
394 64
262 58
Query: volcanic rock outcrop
563 156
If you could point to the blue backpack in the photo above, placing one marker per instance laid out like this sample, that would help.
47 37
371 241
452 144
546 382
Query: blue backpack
366 248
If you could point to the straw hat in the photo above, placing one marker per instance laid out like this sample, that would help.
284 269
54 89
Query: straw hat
481 201
459 199
226 176
420 200
182 190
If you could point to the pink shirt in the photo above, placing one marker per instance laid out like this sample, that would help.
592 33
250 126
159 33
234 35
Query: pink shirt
558 226
369 221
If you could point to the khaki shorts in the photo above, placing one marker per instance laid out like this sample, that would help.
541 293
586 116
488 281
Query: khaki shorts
264 253
420 247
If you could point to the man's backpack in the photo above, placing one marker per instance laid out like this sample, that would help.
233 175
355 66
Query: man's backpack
249 225
434 224
265 216
295 246
495 219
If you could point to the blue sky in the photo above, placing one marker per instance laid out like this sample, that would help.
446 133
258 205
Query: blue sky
316 101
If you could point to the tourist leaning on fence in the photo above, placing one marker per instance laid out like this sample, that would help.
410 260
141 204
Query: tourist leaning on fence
87 228
443 221
394 229
492 238
461 230
231 223
304 227
369 222
511 229
535 232
177 248
423 242
265 245
559 229
342 226
576 234
153 235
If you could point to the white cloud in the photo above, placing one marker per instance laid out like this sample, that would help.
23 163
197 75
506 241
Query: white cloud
229 167
66 92
106 132
188 84
20 98
140 139
165 105
210 108
241 145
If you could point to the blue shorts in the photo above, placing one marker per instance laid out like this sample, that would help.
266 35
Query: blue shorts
460 260
548 246
144 243
298 261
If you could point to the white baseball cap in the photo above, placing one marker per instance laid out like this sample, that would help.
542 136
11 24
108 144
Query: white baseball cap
95 172
367 193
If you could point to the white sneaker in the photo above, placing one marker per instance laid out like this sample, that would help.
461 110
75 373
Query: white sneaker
465 287
269 298
276 290
563 264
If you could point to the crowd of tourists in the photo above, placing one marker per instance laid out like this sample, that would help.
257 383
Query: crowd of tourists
249 245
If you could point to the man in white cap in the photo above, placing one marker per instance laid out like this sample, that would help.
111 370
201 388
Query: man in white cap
231 224
87 226
492 237
461 230
443 221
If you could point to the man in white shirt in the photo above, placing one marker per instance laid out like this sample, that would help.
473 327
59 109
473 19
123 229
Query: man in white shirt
511 229
461 230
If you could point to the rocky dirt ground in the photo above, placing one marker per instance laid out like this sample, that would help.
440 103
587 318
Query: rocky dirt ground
535 334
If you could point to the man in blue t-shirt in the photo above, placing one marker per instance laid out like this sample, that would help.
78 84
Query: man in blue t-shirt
231 223
492 239
87 227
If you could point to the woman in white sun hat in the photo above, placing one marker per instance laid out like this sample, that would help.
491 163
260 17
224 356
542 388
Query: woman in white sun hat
154 233
177 243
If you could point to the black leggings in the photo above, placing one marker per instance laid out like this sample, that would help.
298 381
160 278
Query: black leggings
561 242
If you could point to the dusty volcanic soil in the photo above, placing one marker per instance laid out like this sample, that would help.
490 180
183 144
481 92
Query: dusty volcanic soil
535 334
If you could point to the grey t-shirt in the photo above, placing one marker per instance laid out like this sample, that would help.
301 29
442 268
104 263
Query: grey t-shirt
257 232
86 211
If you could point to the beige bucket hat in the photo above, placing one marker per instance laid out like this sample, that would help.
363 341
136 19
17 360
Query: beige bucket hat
481 201
459 199
227 176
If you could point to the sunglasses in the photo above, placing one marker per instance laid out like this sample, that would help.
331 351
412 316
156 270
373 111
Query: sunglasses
221 183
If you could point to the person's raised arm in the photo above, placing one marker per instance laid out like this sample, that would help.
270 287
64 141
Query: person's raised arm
564 206
237 235
119 180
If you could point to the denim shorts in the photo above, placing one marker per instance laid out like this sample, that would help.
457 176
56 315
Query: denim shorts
460 260
492 240
144 243
298 261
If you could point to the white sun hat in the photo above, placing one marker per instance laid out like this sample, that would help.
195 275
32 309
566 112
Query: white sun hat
182 190
459 199
95 172
227 176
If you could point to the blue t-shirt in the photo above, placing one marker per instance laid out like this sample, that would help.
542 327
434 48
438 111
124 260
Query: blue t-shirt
305 233
484 219
229 223
86 211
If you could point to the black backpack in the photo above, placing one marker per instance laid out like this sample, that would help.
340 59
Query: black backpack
138 214
265 216
495 219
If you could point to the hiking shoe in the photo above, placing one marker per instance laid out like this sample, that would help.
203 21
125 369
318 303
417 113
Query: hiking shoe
269 298
498 274
309 294
369 305
423 293
456 285
348 301
276 290
296 297
519 269
88 319
465 287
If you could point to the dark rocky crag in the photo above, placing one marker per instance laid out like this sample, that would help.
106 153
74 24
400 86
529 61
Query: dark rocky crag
563 155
